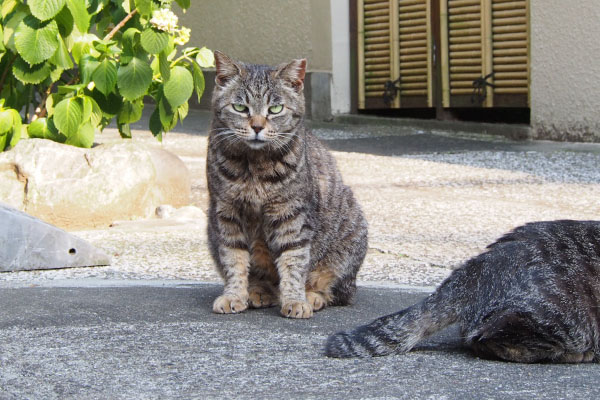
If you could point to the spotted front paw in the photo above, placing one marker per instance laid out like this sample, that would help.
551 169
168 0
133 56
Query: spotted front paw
227 304
260 297
296 309
316 300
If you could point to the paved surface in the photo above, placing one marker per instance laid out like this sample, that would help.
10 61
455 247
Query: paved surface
162 341
142 327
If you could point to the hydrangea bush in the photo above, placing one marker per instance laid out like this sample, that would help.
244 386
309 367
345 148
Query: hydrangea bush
70 67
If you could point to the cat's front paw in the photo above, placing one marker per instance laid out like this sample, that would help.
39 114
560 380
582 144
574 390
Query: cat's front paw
227 304
296 309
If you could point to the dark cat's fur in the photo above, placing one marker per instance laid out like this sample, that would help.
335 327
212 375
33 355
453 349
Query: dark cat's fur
533 296
283 228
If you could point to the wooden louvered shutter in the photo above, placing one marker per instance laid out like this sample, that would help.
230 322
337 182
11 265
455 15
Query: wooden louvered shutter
481 37
394 44
414 39
510 37
464 51
374 52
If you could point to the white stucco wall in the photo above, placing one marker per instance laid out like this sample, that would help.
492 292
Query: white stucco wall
565 69
340 56
264 31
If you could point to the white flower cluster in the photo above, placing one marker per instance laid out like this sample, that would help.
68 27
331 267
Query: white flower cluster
183 36
164 20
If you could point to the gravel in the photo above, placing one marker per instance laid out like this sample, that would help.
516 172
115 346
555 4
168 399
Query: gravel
428 211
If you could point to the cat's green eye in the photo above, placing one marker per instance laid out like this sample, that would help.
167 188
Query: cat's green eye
239 107
275 109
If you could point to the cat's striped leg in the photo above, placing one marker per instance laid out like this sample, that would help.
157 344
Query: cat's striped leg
235 293
292 265
289 241
233 261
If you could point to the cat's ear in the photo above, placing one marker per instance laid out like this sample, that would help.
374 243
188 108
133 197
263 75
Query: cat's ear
226 68
293 72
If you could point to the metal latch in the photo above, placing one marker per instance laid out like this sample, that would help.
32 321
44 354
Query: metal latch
480 88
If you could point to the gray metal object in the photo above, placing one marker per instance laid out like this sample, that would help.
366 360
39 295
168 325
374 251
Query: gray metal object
28 243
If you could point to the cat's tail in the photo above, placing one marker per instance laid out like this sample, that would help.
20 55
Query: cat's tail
401 331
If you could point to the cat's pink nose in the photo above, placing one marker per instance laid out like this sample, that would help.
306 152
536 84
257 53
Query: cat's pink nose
257 128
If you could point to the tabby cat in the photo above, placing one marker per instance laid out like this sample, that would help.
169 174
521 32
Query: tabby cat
283 228
533 296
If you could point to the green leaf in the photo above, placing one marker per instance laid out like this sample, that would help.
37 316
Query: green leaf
131 45
2 48
105 76
126 4
87 108
6 121
61 57
11 24
55 73
38 128
16 131
7 7
155 124
80 15
51 133
178 89
87 67
3 140
68 116
124 131
144 7
110 104
130 112
65 22
182 111
30 74
84 137
199 83
96 117
164 66
82 46
134 78
67 90
205 58
154 41
36 41
184 4
168 118
45 9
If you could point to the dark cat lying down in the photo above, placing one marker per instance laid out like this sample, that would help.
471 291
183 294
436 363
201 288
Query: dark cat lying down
533 296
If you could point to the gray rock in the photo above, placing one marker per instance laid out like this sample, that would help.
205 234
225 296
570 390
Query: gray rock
76 188
28 243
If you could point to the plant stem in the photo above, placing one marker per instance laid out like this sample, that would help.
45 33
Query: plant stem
120 24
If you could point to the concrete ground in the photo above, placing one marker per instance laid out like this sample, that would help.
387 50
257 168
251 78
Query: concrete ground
94 340
142 327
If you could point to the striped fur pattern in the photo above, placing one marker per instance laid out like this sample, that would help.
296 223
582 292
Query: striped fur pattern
533 296
283 228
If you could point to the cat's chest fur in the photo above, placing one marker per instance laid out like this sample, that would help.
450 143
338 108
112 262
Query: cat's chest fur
254 183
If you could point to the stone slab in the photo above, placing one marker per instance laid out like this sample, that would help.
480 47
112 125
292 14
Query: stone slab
28 243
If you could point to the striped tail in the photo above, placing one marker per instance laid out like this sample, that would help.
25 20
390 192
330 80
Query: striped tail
401 331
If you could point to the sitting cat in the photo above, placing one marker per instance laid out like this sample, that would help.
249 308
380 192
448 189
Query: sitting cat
283 228
533 296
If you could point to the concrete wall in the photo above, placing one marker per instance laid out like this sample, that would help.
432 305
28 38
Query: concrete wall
565 69
263 31
269 32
